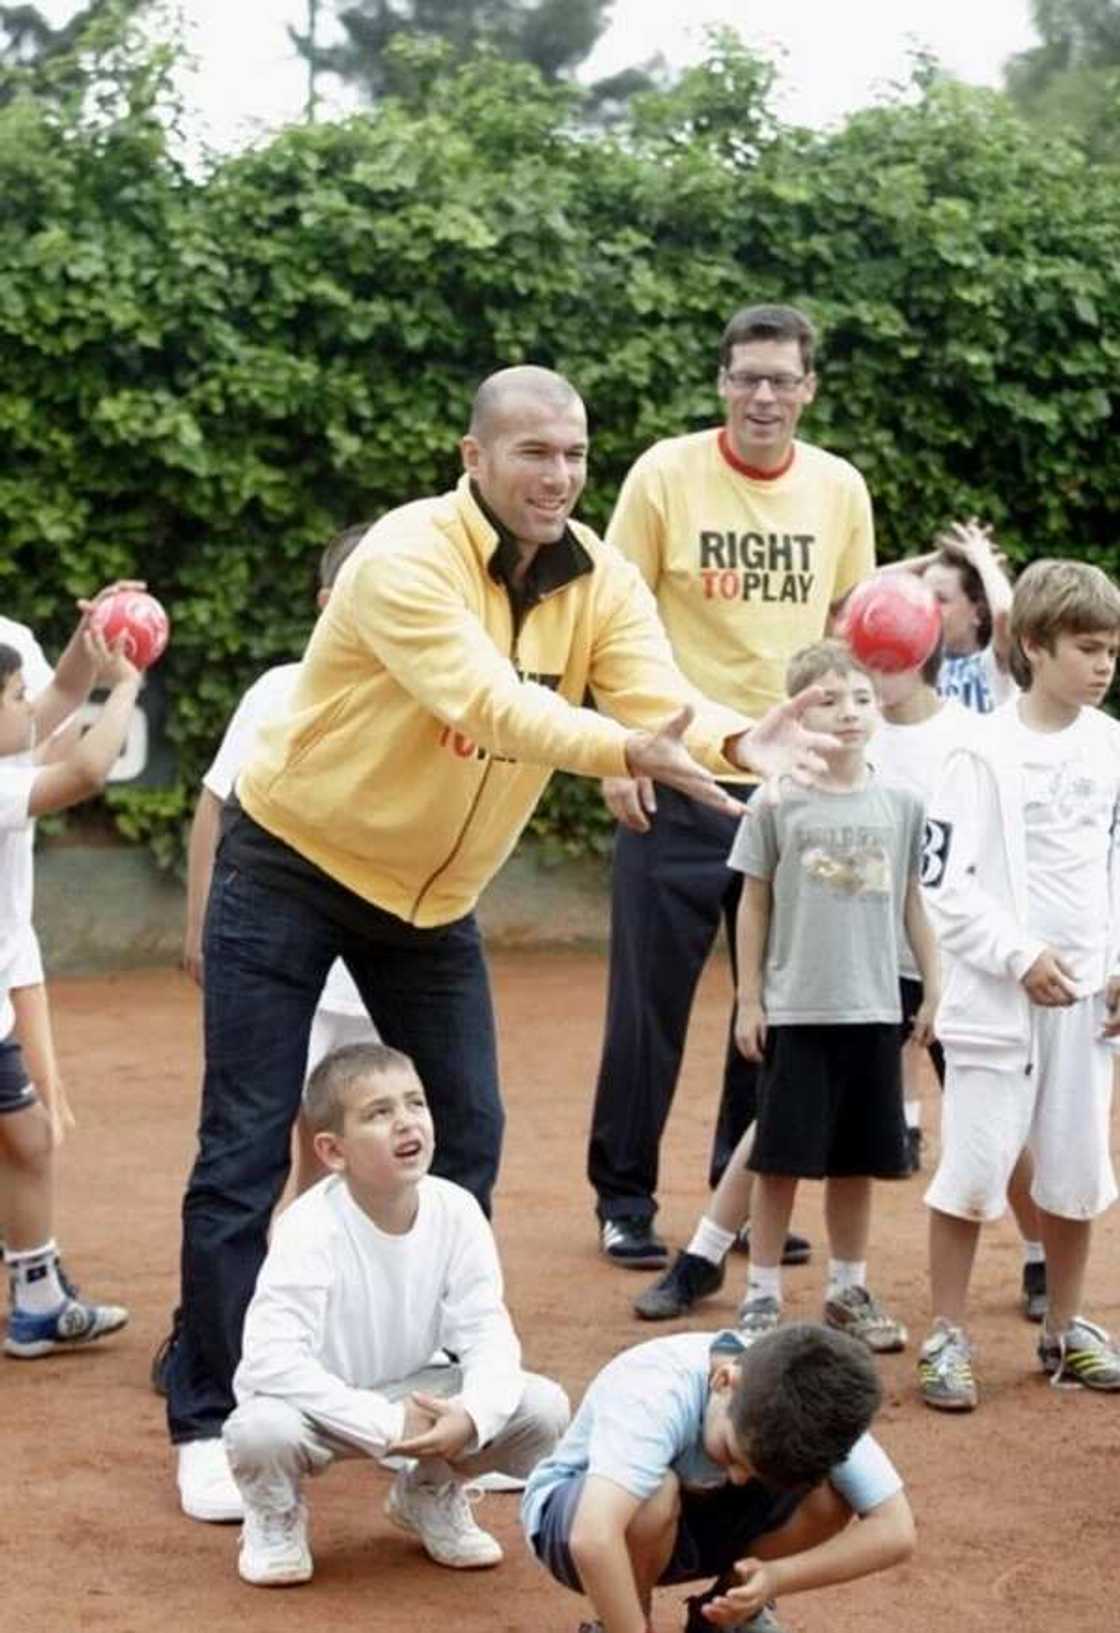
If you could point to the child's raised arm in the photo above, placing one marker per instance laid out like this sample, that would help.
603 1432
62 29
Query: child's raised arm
84 770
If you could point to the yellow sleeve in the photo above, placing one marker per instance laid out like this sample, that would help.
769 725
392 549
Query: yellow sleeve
637 527
417 623
857 558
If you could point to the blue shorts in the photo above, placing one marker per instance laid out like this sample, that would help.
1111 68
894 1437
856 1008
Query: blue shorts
715 1528
17 1091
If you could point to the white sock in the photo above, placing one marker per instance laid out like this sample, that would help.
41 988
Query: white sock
710 1241
35 1284
764 1281
1033 1253
912 1111
845 1273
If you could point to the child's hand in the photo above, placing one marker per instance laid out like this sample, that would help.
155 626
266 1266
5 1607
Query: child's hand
921 1027
113 668
1111 1027
1049 983
60 1114
451 1429
750 1030
971 539
753 1592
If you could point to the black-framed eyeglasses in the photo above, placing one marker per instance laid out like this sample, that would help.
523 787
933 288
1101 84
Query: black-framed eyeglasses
748 381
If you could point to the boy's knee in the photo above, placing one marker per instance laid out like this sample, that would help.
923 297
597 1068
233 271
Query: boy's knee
658 1516
262 1431
547 1407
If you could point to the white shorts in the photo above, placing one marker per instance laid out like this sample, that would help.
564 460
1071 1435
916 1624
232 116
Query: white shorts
26 968
1059 1109
331 1030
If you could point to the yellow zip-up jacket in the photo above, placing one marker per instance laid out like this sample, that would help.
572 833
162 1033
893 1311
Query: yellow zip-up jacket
423 726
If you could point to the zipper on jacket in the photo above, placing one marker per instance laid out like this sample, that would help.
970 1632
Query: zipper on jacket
516 621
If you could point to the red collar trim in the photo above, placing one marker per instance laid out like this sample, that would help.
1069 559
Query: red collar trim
743 468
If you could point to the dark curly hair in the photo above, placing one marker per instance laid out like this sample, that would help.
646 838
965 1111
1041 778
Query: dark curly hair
803 1397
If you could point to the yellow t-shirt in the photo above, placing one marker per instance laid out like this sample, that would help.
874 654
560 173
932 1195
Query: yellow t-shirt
744 568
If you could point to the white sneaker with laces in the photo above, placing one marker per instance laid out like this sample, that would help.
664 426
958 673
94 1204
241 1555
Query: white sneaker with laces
442 1519
274 1551
207 1489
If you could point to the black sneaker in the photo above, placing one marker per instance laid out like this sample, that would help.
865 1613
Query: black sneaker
1034 1299
632 1243
161 1360
914 1149
687 1279
798 1249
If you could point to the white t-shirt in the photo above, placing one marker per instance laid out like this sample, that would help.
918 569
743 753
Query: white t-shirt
267 699
17 887
1069 806
342 1309
16 783
912 757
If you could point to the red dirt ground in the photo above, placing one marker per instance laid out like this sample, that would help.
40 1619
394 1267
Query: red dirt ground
1017 1504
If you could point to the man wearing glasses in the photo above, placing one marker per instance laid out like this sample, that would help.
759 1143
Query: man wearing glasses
749 539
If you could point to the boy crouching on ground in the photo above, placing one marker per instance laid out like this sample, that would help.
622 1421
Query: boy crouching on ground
369 1274
692 1456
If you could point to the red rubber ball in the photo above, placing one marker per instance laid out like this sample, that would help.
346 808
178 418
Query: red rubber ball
139 618
892 622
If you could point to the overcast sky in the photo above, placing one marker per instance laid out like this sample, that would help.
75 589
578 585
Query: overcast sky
835 55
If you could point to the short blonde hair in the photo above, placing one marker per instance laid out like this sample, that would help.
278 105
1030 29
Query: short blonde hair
829 657
1055 598
327 1091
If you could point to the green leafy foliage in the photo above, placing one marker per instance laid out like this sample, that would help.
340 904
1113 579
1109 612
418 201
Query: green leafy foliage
202 379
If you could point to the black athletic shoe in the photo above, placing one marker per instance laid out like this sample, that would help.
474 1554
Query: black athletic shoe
1035 1301
161 1360
914 1149
797 1250
687 1279
632 1243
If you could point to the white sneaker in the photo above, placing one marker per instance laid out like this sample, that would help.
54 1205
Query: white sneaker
207 1489
441 1517
274 1551
497 1481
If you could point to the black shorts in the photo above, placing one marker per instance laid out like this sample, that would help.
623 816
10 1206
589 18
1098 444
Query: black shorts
910 992
715 1528
17 1091
830 1103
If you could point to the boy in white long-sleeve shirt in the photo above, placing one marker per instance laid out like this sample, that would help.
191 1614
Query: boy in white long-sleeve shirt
1022 880
368 1275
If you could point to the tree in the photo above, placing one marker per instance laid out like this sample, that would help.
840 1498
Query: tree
1071 80
553 35
44 61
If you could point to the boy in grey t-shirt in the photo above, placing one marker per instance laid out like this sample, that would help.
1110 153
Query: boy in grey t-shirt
830 896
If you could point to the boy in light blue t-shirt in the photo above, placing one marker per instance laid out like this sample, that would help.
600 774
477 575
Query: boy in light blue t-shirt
695 1456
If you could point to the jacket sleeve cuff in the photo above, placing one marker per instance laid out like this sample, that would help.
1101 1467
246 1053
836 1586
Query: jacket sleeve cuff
1020 961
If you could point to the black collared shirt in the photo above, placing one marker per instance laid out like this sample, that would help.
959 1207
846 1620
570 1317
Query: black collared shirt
552 566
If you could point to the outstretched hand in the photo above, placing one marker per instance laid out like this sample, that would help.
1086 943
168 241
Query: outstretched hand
780 746
662 757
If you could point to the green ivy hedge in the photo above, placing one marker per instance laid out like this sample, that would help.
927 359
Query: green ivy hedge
201 378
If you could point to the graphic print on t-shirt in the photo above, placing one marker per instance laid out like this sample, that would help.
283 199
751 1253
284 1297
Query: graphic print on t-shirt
766 567
847 861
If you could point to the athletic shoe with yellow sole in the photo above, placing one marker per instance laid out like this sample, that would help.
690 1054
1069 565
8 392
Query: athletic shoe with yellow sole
1083 1355
945 1374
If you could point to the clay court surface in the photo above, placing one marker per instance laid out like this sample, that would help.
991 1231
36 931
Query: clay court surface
1017 1505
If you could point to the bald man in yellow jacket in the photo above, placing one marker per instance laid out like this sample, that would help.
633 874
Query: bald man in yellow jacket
442 684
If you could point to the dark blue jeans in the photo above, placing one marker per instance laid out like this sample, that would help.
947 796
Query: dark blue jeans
266 955
669 890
